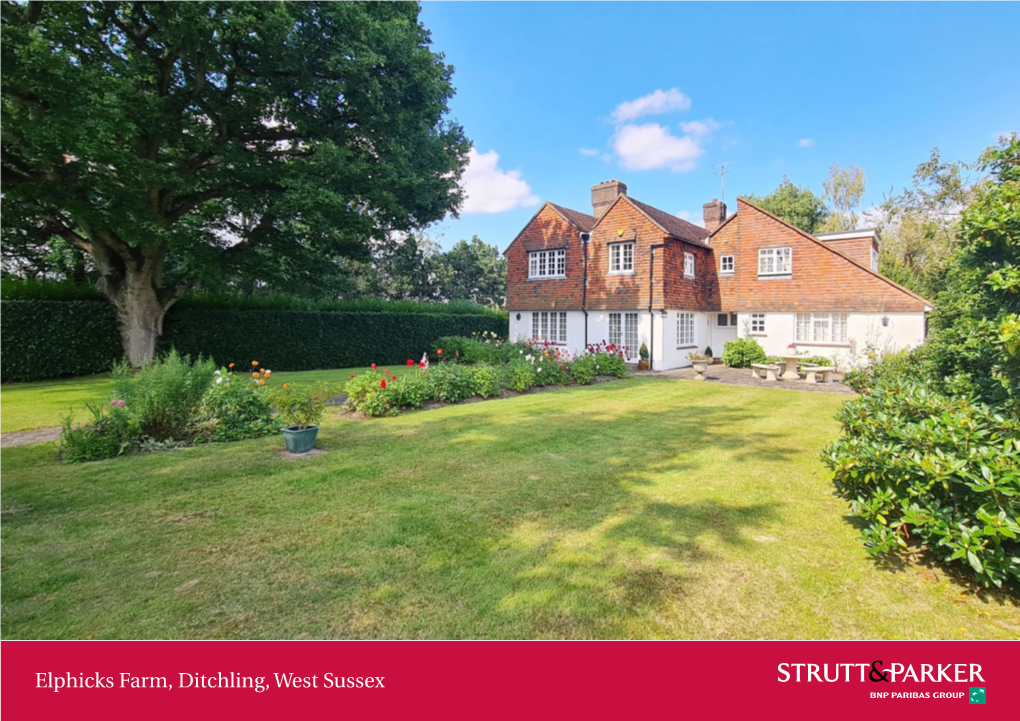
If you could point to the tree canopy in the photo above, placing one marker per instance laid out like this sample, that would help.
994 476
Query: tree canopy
798 206
176 143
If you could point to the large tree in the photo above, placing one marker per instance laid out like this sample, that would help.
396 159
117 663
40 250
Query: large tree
798 206
844 189
172 142
475 271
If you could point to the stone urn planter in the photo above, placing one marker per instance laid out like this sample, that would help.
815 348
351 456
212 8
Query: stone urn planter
700 363
300 440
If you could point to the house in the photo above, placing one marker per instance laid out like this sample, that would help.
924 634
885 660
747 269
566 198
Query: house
631 274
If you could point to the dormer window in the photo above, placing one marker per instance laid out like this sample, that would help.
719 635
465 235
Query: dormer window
621 258
547 264
688 265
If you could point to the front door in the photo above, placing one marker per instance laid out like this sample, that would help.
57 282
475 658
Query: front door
724 329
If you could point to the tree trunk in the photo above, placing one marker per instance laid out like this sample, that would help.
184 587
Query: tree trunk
141 320
134 285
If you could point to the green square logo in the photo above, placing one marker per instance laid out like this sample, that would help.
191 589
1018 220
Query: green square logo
977 694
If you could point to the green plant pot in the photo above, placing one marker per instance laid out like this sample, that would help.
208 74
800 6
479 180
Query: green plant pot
300 440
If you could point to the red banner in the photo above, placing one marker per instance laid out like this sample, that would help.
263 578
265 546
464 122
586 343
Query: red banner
492 679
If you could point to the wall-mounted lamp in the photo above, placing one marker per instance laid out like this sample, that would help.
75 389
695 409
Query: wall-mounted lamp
885 321
518 316
664 313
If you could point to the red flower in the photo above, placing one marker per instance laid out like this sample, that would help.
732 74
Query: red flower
374 366
382 384
352 377
421 364
386 373
410 362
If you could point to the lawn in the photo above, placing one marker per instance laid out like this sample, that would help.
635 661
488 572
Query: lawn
28 406
644 508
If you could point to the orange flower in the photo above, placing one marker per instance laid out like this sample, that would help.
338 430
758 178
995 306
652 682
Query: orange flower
254 375
262 383
286 385
254 363
230 366
439 351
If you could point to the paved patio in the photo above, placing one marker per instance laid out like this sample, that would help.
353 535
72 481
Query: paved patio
719 373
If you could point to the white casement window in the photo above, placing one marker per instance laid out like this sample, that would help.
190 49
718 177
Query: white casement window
550 327
547 264
615 329
630 334
621 258
623 332
757 322
775 261
688 265
726 319
874 258
821 328
684 329
726 264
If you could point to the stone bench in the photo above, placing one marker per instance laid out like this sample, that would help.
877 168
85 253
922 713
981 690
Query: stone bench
769 371
819 374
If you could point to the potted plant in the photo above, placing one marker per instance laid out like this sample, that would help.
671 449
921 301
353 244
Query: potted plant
300 409
700 361
643 354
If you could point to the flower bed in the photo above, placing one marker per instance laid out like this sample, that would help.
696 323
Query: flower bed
460 373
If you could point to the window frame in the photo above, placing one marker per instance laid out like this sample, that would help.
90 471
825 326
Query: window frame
544 321
686 330
617 257
758 323
541 262
830 322
722 265
688 256
874 259
773 254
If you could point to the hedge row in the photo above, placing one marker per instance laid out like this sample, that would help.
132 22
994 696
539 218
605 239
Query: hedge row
48 339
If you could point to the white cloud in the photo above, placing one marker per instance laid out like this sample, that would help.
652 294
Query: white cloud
652 146
590 152
488 189
806 143
692 217
661 101
700 128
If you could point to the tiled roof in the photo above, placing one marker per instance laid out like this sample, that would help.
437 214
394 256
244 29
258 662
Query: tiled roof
676 227
581 220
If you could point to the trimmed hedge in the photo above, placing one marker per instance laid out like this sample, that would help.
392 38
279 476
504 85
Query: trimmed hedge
47 339
53 338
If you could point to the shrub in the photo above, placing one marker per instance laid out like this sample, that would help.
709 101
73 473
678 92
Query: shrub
583 370
450 383
819 360
302 405
741 353
166 395
902 365
609 360
411 392
643 352
111 433
708 351
236 407
487 380
520 375
933 470
467 350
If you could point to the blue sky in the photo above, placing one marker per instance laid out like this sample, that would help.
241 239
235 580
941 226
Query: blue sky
560 96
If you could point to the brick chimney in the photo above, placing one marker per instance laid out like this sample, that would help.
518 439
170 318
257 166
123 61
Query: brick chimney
714 214
604 195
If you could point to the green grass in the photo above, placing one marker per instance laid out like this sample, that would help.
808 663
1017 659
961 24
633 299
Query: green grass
645 508
28 406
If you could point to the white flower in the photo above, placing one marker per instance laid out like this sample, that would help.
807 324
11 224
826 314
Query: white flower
539 370
216 373
219 380
521 352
